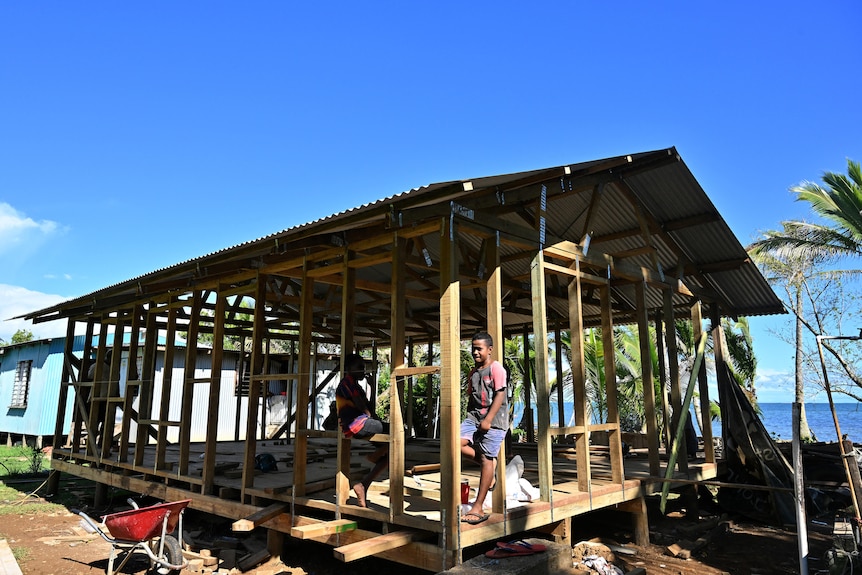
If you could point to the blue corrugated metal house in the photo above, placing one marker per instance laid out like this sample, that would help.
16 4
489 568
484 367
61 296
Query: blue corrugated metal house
30 375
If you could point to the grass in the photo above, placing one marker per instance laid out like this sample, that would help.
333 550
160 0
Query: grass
21 460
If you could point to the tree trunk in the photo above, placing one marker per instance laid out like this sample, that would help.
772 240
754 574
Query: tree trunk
805 434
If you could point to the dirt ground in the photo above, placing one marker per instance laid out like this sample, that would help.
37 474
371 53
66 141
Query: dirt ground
54 543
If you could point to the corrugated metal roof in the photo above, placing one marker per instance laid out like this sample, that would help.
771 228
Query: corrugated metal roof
623 197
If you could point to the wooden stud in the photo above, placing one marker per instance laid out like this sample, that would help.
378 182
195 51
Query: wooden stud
494 305
450 386
211 443
348 320
188 389
703 388
609 353
647 378
579 379
543 384
148 370
306 313
396 394
256 368
673 372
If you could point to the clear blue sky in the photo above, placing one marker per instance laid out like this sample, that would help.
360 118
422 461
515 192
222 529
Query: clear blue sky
200 125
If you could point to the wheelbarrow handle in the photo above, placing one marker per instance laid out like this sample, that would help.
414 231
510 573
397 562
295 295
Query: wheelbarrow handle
93 525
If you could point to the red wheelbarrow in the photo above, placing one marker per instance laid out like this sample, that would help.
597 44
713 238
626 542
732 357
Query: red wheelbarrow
145 530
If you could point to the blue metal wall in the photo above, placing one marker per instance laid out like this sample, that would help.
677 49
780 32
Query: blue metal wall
39 416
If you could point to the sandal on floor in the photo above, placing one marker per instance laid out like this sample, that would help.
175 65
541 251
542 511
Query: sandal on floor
522 545
514 549
474 518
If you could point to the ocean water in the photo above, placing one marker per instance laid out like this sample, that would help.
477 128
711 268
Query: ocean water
778 420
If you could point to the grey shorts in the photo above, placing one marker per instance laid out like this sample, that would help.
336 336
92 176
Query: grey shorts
488 442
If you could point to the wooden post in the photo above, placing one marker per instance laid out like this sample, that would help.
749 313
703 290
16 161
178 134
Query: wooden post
579 378
450 386
133 382
83 395
306 312
558 352
615 442
208 473
167 387
543 385
66 379
662 376
148 370
718 347
258 334
703 388
430 412
188 391
494 305
98 396
528 384
647 377
348 320
396 388
673 370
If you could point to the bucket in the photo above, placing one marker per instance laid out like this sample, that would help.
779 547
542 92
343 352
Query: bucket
465 491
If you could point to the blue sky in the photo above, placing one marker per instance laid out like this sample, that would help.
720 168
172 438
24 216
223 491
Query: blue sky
200 125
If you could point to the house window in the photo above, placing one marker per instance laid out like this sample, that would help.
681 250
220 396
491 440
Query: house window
21 387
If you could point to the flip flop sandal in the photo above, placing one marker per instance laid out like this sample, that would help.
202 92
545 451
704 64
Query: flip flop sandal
521 547
502 552
477 519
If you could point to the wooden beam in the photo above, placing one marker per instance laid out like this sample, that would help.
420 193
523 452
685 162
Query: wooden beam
323 528
262 516
375 545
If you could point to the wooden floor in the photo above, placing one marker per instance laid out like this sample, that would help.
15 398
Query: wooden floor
421 490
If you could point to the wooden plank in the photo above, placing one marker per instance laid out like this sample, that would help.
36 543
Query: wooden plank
255 519
375 545
8 564
673 372
323 528
543 383
417 370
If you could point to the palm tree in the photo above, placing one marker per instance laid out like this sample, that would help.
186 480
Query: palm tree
801 249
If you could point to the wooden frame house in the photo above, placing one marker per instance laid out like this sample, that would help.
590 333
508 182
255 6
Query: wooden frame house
630 239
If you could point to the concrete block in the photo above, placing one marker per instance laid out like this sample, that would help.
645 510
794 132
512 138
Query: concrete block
557 558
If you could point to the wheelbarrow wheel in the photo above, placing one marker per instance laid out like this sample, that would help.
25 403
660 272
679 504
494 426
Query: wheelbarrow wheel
172 554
